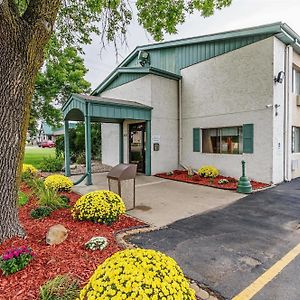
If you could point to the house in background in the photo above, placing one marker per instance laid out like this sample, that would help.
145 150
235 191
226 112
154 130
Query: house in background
210 100
48 133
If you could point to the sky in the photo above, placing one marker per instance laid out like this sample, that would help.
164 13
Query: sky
241 14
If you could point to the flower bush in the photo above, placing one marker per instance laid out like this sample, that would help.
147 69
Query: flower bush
28 172
26 168
15 259
208 171
223 181
138 274
99 206
58 182
96 243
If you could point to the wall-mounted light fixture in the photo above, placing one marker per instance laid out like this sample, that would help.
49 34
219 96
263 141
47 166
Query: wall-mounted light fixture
276 106
143 58
279 78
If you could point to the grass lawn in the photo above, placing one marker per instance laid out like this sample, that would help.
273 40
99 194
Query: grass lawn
34 155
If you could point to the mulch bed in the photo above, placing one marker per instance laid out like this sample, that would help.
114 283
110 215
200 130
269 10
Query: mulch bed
69 257
179 175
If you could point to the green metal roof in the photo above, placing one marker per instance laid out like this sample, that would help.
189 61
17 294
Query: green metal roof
168 58
102 109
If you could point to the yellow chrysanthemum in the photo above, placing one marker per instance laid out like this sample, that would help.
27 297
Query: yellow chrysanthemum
58 182
27 168
208 171
138 274
99 206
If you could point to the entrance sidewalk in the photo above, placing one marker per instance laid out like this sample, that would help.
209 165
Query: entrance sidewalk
160 202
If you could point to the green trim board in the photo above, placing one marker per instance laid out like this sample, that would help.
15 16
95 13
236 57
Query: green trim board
125 75
172 56
104 109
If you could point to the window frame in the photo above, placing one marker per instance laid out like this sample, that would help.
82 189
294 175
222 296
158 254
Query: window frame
220 136
293 145
296 70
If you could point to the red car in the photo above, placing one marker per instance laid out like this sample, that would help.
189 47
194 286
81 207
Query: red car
47 144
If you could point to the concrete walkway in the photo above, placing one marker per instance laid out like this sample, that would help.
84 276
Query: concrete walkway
160 202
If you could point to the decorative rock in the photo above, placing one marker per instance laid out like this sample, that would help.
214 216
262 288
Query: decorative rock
202 294
56 234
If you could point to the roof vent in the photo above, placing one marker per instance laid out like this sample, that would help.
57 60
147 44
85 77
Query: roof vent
143 58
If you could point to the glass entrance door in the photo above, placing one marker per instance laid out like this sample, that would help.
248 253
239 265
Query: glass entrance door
137 145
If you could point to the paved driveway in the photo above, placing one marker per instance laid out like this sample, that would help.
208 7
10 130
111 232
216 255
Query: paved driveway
227 249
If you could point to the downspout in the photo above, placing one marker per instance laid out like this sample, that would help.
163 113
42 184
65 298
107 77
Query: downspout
180 125
286 113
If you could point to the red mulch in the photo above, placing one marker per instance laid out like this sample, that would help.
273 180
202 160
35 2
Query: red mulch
182 176
69 257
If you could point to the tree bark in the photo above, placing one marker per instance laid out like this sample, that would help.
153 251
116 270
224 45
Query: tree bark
22 43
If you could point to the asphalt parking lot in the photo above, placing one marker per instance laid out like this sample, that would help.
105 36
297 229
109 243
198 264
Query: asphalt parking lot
229 248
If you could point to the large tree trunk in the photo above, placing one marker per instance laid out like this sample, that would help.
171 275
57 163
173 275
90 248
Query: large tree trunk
22 40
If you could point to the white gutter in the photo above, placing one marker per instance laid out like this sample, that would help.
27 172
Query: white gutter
180 138
180 122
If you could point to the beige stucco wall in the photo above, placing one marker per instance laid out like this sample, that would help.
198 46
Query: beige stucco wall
232 90
162 94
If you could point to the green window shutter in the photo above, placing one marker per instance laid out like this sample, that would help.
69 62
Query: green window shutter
196 139
248 137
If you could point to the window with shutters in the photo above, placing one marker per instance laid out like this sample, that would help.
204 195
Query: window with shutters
227 140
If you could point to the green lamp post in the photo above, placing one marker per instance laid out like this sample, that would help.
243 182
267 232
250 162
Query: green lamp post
244 185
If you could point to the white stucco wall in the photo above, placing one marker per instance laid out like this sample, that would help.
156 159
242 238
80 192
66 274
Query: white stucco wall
110 144
162 94
295 117
232 90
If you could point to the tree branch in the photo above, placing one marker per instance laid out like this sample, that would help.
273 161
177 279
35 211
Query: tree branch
44 11
8 11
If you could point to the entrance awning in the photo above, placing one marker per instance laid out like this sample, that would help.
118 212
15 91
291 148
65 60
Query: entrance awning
105 110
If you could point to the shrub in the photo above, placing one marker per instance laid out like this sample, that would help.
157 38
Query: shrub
59 183
15 259
40 212
208 171
51 164
99 206
28 172
80 159
96 243
46 196
62 287
65 199
22 199
138 274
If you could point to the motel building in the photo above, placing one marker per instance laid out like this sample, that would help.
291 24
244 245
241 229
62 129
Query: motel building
209 100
